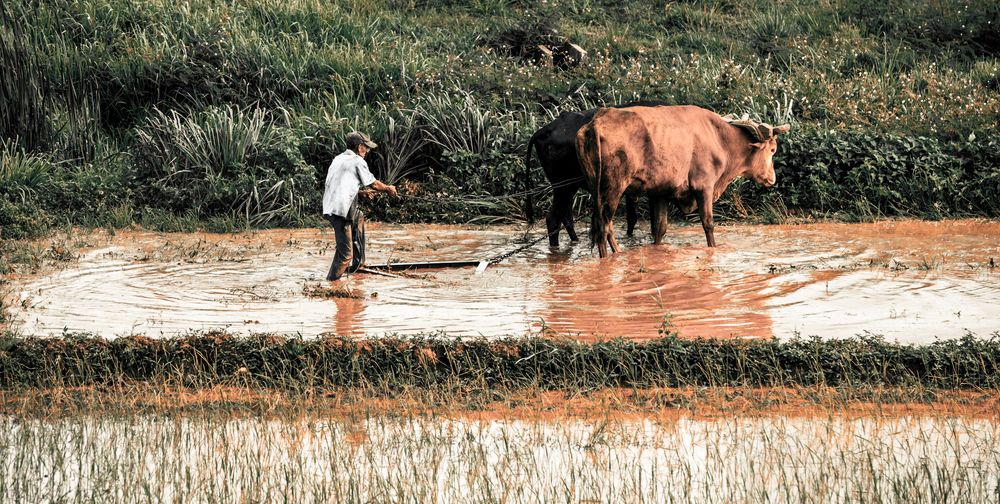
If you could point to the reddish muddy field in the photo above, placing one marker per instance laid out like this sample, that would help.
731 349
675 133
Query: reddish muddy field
910 280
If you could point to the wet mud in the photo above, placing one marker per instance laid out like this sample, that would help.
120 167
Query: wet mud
911 281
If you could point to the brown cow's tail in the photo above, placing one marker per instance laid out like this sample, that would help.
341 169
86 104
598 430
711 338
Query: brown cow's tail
529 204
588 149
597 227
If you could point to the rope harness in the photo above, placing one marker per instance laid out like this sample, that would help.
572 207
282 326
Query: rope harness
494 199
487 199
507 255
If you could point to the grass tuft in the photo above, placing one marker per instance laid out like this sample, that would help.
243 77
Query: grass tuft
394 363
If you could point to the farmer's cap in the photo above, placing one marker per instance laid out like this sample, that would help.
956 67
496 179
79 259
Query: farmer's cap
356 138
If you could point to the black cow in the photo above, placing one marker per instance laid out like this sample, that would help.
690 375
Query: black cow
556 146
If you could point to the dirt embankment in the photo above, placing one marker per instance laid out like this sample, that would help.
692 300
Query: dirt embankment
661 404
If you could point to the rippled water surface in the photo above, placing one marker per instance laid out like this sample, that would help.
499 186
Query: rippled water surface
912 281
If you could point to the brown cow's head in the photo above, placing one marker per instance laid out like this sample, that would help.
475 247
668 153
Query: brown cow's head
760 164
761 169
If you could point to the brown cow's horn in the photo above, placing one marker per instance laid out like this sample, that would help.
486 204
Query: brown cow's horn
752 128
758 133
784 128
765 131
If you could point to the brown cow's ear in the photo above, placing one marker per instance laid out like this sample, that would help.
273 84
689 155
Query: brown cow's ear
757 145
784 128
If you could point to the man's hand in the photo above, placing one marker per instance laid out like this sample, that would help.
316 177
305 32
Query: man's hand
379 186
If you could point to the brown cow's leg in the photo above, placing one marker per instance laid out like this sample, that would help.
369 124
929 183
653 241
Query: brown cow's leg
705 212
607 239
631 213
602 243
611 238
608 213
603 223
658 216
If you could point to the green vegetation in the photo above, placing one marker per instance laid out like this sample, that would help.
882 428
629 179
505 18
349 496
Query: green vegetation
223 115
393 364
857 176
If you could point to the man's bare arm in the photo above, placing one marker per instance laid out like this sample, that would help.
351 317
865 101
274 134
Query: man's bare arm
380 187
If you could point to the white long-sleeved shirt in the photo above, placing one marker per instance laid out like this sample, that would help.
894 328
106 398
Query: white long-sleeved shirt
348 173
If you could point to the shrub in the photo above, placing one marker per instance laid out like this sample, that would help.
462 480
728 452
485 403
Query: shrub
403 148
224 160
459 122
860 171
24 180
489 173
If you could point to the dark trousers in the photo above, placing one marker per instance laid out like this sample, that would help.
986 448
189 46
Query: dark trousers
350 235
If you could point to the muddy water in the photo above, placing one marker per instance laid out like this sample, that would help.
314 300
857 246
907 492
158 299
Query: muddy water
911 281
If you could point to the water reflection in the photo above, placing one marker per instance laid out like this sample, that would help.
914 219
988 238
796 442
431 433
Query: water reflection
642 291
348 314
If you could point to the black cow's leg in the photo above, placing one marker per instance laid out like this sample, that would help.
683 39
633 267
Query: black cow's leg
552 226
705 212
654 216
658 213
570 227
598 231
562 201
631 213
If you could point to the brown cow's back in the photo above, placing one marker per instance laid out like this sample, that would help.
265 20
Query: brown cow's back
667 143
685 154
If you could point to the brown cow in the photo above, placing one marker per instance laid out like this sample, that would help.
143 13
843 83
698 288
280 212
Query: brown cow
683 153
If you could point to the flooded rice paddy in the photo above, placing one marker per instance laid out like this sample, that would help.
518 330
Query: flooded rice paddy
911 281
419 459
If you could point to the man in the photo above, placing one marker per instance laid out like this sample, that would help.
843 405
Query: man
348 173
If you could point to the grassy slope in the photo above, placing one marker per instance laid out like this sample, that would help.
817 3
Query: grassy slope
227 114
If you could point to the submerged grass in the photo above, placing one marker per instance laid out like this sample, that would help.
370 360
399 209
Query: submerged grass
217 417
396 363
369 454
